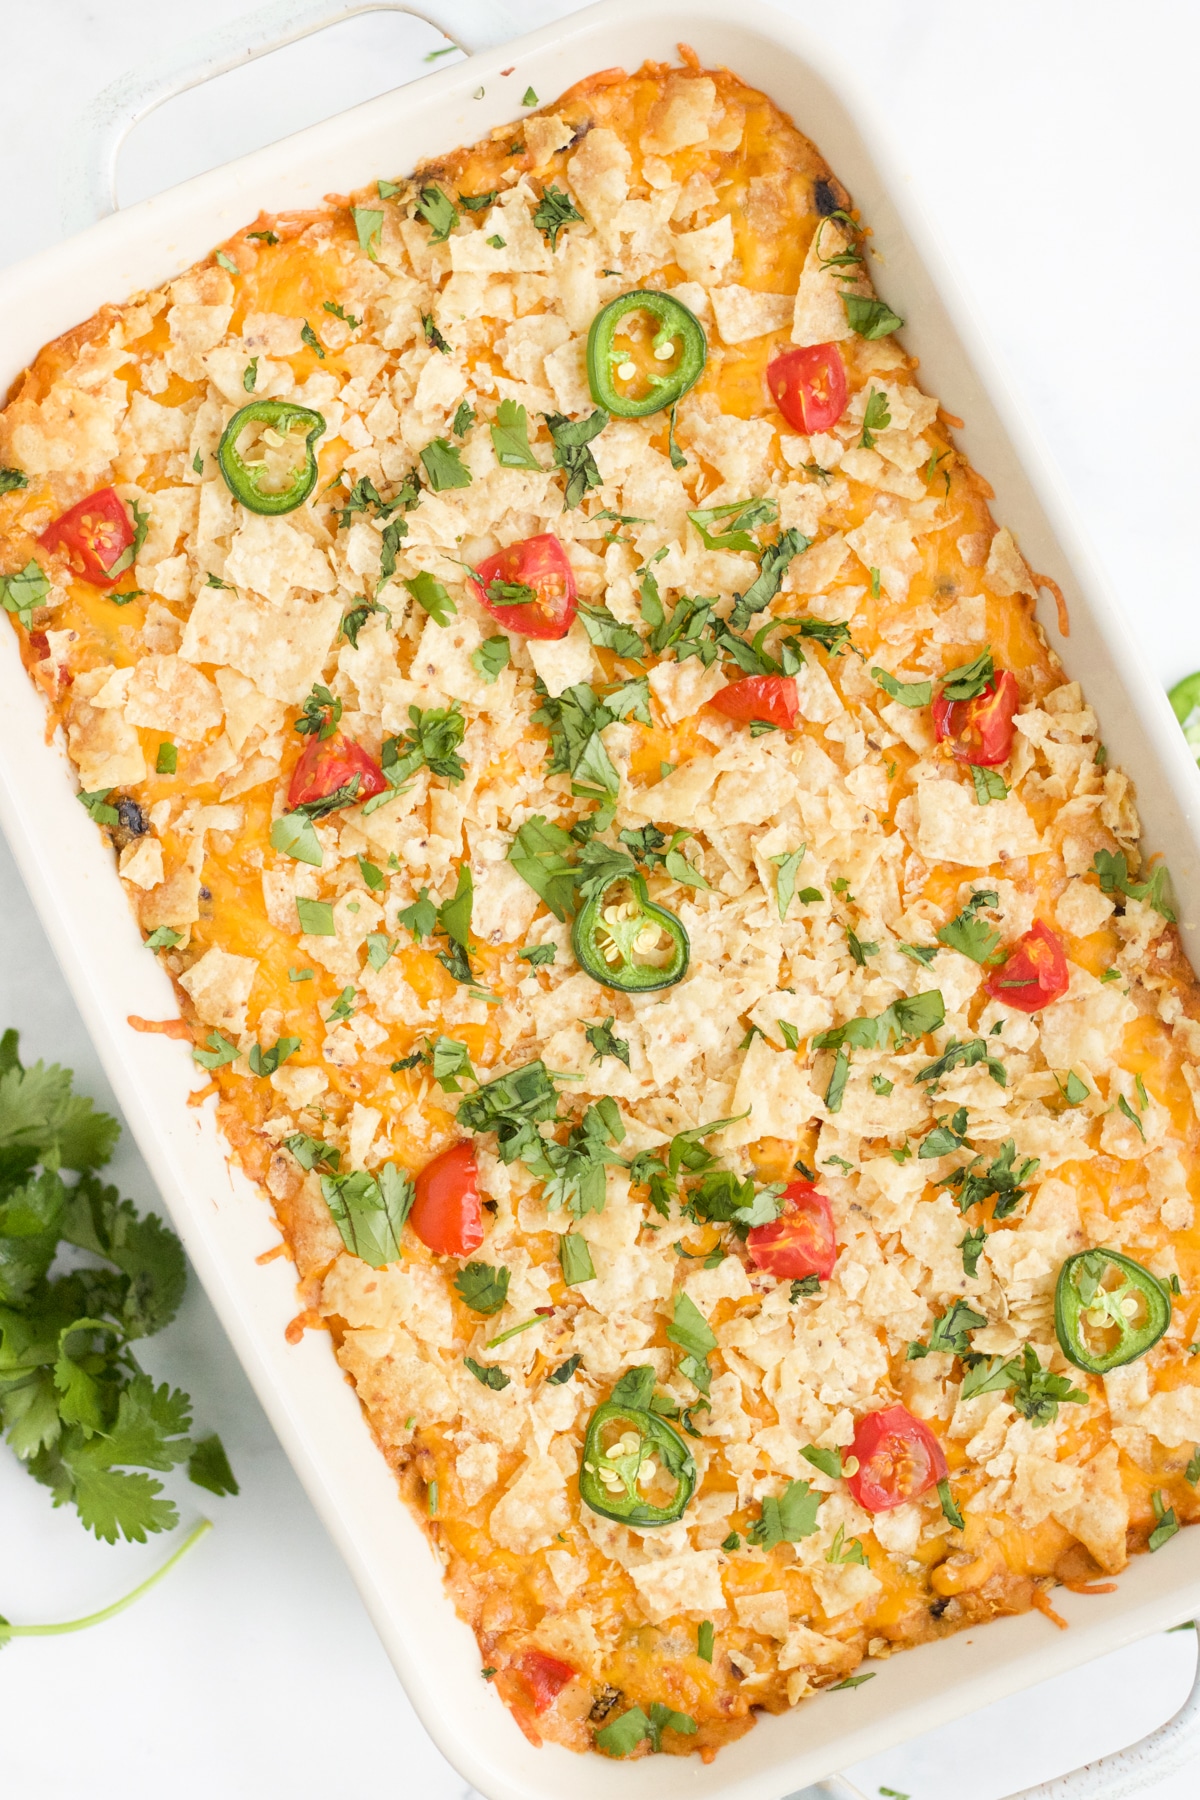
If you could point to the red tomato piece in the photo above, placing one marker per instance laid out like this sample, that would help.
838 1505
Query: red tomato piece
327 764
801 1241
539 563
545 1677
980 731
898 1459
1035 972
808 385
94 535
769 697
447 1213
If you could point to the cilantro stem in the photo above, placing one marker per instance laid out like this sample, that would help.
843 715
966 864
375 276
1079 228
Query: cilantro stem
514 1331
108 1612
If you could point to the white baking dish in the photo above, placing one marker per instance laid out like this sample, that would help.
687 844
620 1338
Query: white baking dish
222 1219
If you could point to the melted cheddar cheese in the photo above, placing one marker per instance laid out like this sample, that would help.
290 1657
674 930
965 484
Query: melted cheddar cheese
366 312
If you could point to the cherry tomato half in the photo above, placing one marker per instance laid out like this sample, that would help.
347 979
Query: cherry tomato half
980 731
447 1213
539 564
769 697
327 764
1035 972
800 1241
898 1459
808 385
94 535
545 1677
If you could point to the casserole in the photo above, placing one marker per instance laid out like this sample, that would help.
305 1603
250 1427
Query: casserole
1042 559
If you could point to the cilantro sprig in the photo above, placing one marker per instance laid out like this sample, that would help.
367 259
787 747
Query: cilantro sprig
78 1409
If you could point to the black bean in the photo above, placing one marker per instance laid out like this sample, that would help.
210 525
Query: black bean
826 198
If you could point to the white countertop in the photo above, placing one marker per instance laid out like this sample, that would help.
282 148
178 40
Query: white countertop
1054 148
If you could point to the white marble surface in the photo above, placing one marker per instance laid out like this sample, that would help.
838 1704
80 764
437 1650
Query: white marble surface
1054 148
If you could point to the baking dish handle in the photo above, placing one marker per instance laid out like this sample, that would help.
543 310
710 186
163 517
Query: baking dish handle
1128 1771
89 160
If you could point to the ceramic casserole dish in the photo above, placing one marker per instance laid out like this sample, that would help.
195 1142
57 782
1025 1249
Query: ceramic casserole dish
219 1215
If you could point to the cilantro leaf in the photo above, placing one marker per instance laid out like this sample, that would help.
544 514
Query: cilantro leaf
20 593
481 1287
828 1461
605 1043
553 211
970 679
1113 872
491 658
1001 1177
539 854
370 1211
312 1153
564 1371
623 1734
744 516
572 453
575 720
293 835
776 559
972 1247
905 1018
116 1502
438 211
869 317
908 693
444 465
603 629
788 1519
971 935
208 1467
950 1331
512 1106
429 594
421 917
510 438
490 1377
964 1055
11 480
575 1259
876 417
989 785
432 743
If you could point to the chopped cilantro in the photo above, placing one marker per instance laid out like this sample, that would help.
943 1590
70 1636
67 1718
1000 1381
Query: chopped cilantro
876 417
553 211
604 1042
492 1377
339 312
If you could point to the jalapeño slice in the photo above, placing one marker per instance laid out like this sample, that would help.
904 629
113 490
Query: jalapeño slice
1108 1310
266 455
625 941
661 355
636 1468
